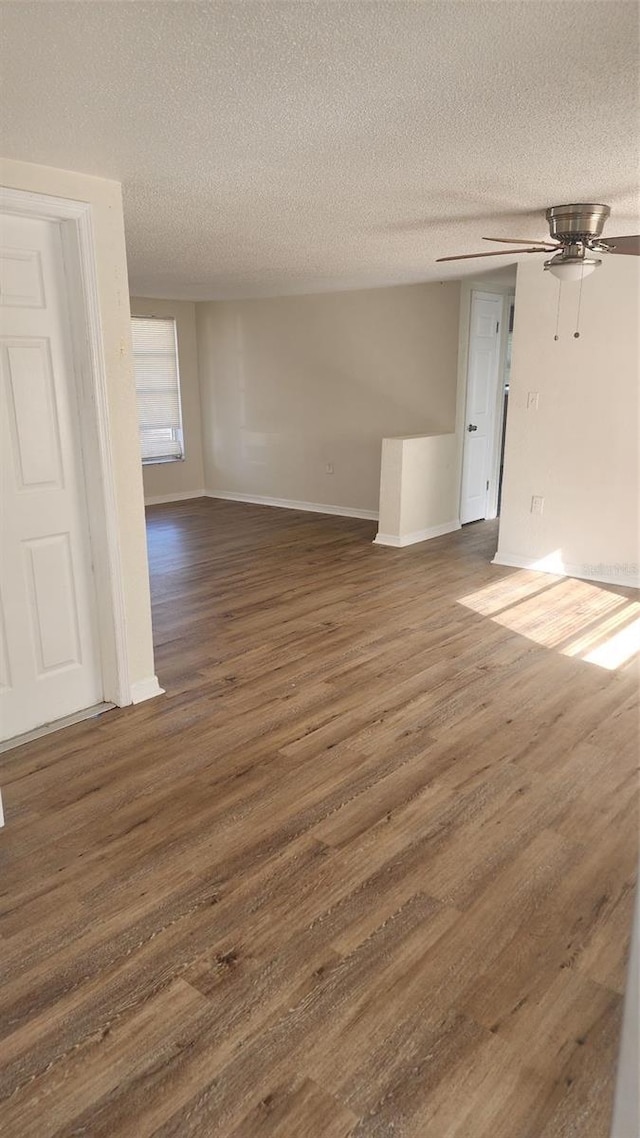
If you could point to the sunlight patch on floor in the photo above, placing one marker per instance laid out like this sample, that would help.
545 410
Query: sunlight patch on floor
618 649
577 618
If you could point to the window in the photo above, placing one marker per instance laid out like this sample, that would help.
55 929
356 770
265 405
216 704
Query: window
155 366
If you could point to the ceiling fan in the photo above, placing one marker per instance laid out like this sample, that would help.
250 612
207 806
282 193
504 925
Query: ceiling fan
576 235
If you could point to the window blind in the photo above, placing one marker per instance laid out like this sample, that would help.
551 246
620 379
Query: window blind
155 363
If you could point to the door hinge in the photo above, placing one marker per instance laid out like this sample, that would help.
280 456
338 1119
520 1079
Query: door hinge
497 326
487 483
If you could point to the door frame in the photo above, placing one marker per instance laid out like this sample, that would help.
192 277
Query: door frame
507 292
90 376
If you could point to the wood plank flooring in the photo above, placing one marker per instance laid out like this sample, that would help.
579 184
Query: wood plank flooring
365 870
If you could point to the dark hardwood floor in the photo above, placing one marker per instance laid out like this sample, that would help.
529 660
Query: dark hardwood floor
366 869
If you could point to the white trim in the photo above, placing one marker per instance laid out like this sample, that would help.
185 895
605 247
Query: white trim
26 203
290 504
145 689
483 294
498 418
79 258
179 496
507 292
562 569
79 242
398 542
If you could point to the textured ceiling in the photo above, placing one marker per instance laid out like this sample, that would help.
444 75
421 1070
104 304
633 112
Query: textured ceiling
279 147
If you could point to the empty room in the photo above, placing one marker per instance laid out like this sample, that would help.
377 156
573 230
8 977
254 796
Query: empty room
319 568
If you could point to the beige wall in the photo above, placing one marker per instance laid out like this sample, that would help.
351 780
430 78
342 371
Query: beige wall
111 265
292 384
579 450
418 489
169 479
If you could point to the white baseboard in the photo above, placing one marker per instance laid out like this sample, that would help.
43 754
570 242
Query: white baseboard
180 496
145 689
398 542
611 574
290 504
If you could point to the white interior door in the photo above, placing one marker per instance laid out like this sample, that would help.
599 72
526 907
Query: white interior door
482 382
49 645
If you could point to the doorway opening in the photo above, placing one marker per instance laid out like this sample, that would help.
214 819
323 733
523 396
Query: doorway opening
491 316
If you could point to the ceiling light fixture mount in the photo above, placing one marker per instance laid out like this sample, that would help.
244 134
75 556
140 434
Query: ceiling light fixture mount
577 228
577 223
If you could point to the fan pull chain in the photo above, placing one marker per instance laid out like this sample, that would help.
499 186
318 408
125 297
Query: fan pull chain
576 334
556 337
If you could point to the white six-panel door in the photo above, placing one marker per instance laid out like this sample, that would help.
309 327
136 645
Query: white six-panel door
482 381
49 647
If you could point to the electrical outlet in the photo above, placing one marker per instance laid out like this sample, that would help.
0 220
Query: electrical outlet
328 468
537 504
533 400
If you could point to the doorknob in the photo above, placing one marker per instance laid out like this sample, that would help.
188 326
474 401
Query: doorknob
472 427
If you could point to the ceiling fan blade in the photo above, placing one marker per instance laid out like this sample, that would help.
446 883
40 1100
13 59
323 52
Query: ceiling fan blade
497 253
628 245
522 241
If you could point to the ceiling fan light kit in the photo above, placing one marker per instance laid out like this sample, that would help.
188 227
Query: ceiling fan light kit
572 266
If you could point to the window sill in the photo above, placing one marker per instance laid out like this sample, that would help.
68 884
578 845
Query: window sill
161 461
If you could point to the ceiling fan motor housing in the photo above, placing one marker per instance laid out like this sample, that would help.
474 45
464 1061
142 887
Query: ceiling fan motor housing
578 222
